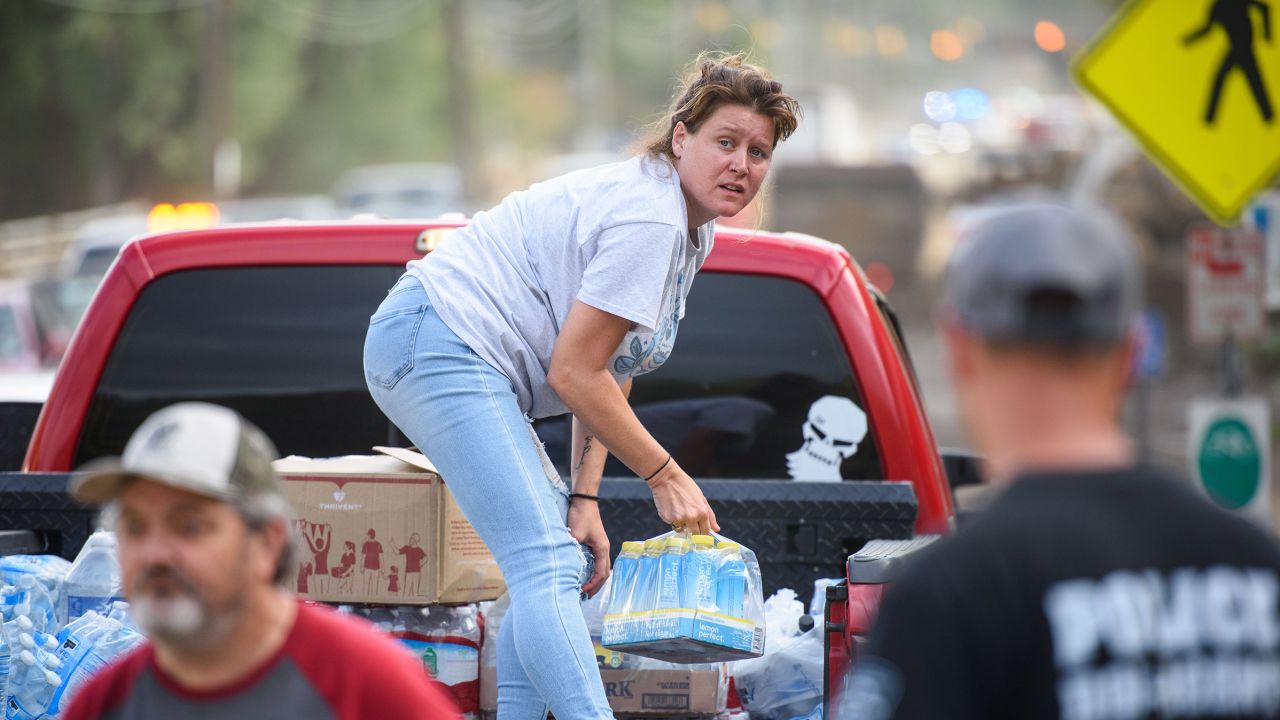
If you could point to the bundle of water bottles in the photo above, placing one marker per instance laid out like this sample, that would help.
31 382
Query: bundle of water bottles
446 639
59 623
686 599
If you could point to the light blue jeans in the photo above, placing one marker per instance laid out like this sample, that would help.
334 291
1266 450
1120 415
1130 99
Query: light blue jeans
463 414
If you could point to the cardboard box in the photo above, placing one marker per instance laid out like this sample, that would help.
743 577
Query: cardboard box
692 690
384 529
696 690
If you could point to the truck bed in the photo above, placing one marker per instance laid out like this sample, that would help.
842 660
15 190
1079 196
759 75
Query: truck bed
800 531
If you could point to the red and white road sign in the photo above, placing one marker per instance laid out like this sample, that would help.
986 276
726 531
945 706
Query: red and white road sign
1226 276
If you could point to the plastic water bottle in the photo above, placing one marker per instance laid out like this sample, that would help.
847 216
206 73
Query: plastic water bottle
19 625
34 639
818 604
624 577
494 615
94 580
4 662
37 604
671 572
9 596
700 573
119 612
644 595
385 618
731 579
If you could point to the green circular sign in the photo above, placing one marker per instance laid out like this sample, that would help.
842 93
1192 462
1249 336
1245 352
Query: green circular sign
1230 463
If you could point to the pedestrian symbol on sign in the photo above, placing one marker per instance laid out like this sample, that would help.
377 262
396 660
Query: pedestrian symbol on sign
1236 21
1230 463
1197 82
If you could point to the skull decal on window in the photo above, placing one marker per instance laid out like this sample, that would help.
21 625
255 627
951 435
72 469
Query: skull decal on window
832 432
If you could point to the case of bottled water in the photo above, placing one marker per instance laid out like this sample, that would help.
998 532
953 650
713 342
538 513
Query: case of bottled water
85 646
686 599
50 570
445 639
33 673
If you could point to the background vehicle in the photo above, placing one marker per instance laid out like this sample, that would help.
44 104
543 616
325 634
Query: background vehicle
401 190
21 346
97 243
27 351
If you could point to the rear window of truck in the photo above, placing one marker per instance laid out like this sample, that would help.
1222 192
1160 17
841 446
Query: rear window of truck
759 385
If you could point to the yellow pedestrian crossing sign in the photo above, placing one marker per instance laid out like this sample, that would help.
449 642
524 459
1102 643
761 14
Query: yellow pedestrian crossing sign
1198 83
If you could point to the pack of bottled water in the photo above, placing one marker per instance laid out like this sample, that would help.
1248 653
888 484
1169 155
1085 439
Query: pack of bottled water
30 586
34 668
59 623
48 570
89 643
686 599
29 598
45 670
445 639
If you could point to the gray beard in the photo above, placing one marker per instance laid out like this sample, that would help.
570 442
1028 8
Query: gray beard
184 624
183 621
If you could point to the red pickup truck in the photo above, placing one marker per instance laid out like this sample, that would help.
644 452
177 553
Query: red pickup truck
790 370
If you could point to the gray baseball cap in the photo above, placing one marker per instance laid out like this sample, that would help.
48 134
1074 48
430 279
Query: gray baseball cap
198 447
1041 274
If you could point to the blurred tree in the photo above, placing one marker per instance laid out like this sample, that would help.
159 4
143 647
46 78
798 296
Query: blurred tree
106 106
334 83
107 100
96 105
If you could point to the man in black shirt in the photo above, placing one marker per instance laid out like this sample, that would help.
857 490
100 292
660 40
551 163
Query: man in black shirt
1095 586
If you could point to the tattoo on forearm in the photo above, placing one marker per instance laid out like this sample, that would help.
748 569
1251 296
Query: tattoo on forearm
586 448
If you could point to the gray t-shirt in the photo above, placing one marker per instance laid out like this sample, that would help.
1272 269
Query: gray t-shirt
614 237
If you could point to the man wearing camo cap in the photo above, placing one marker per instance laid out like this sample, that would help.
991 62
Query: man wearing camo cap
206 554
1096 585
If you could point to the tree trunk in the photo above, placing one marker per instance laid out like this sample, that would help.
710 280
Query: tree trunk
461 101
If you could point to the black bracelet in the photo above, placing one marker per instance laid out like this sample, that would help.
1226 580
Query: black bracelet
585 496
660 468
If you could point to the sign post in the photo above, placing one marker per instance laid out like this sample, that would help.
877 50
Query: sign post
1229 453
1225 282
1264 218
1150 364
1225 278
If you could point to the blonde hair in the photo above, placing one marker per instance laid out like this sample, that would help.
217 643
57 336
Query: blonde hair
715 79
